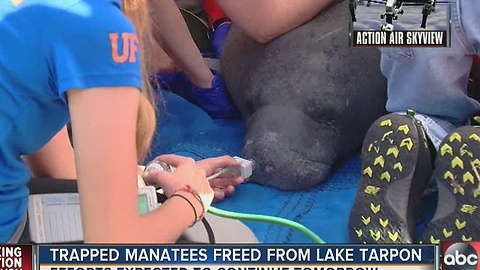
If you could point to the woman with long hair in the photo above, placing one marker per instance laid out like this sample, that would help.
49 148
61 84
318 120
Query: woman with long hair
85 62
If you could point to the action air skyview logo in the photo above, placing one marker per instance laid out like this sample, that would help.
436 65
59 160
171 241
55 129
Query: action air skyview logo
460 256
400 23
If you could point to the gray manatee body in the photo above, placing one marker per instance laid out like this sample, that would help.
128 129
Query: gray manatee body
307 97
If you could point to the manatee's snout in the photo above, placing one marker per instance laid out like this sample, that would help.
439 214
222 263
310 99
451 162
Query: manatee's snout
288 148
282 168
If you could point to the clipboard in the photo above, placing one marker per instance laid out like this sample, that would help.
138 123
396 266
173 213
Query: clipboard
56 217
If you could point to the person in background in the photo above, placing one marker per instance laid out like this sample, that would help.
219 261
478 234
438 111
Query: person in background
84 61
262 20
428 135
196 82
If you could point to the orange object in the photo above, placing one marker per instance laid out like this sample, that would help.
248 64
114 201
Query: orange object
214 12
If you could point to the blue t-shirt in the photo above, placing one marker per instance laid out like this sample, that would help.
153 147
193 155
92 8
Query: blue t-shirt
48 47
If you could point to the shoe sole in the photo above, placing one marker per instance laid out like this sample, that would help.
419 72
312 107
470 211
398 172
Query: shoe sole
392 184
457 214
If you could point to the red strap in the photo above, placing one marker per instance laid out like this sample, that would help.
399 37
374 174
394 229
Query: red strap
213 10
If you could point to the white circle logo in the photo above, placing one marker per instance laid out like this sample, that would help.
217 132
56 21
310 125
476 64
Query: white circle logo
460 256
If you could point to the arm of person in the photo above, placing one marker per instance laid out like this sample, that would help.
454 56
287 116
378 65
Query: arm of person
104 140
97 74
55 159
265 20
171 31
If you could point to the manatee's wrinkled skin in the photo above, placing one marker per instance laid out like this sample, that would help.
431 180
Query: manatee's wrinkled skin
308 98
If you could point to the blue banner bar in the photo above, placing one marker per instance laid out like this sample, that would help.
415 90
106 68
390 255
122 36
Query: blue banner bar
237 254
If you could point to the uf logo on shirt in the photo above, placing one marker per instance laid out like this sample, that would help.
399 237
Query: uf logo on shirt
125 49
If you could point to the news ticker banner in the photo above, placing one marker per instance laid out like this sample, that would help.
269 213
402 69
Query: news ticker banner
417 38
449 255
219 257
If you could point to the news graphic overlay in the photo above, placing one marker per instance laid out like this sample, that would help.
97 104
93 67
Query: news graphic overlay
400 23
460 255
245 257
16 257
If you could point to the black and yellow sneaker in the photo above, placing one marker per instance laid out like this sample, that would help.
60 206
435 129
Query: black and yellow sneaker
396 168
457 171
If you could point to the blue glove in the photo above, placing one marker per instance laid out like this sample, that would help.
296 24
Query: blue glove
216 101
219 36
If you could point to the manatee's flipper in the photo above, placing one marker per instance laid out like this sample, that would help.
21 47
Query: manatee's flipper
291 150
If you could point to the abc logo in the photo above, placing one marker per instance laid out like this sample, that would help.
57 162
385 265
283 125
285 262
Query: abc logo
460 256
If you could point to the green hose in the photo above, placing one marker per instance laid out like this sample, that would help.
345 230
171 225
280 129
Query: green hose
268 219
252 217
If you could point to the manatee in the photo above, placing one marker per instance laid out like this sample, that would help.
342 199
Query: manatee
307 98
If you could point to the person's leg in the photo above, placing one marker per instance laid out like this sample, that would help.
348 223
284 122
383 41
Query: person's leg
472 30
458 159
431 82
469 15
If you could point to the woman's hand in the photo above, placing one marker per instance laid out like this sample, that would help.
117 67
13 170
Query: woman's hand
223 185
186 173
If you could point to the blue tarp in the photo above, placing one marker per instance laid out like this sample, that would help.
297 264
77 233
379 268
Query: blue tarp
185 129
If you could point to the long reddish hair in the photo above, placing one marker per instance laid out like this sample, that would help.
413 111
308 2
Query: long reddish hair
137 12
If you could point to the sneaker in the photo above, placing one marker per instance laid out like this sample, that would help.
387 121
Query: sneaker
457 169
396 169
